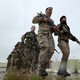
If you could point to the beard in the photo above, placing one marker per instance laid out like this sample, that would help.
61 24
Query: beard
64 22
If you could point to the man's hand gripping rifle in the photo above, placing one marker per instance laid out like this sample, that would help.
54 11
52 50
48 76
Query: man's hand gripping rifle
51 22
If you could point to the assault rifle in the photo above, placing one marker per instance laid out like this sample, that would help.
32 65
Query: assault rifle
70 35
51 22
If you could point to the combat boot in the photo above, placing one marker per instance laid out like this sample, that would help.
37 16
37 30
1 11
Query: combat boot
62 70
64 74
43 73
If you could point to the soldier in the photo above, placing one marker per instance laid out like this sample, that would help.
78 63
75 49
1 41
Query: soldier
15 59
45 39
64 35
31 49
9 62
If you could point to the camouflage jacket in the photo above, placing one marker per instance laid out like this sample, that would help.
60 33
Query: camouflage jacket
62 33
30 39
43 26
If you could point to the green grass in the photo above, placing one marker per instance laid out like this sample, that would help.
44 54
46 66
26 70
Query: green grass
14 76
72 64
3 65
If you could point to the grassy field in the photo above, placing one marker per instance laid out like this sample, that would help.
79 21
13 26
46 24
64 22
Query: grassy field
34 76
53 76
72 65
3 65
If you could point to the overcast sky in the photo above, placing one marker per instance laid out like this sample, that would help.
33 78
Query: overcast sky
16 19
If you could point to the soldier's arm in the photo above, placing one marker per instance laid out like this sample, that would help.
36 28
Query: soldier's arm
64 30
37 19
57 31
23 37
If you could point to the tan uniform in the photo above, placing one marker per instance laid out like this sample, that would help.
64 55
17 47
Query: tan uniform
63 43
64 35
45 40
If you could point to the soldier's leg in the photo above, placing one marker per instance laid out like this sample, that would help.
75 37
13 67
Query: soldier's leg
51 44
64 46
45 51
35 60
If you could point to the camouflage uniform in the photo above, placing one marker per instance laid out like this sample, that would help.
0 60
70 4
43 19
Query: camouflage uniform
31 50
25 54
15 61
63 44
9 61
46 41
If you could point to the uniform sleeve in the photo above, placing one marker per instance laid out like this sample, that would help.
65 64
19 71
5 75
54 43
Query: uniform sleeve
56 32
37 19
23 37
61 29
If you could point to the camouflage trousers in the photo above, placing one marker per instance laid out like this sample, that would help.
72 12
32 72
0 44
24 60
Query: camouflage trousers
64 47
46 43
30 58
